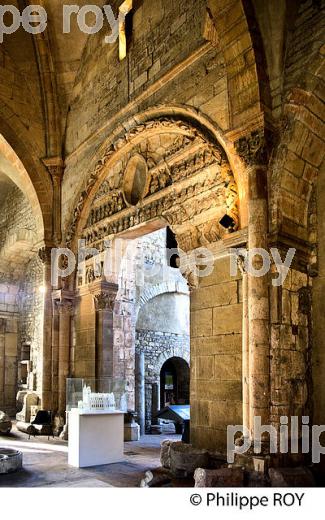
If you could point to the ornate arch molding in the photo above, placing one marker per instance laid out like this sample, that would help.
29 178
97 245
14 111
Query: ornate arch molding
180 122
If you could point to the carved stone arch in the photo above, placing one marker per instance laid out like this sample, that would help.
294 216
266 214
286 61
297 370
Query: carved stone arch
296 165
27 183
302 142
179 122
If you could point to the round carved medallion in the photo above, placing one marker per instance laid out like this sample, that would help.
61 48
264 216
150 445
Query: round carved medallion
135 186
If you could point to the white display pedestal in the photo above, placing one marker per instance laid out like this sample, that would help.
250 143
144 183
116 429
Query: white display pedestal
95 439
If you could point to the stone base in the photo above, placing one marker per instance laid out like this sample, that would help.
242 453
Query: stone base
64 435
223 477
5 424
10 461
58 425
291 477
131 432
185 459
159 477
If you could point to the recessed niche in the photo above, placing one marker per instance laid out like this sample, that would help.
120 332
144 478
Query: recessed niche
135 180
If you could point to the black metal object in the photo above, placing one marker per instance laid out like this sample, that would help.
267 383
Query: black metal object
179 415
42 423
186 432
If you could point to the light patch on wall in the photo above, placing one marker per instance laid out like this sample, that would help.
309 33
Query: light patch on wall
124 9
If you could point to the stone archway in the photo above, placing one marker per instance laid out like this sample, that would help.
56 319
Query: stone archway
162 288
16 172
21 281
174 382
188 185
179 120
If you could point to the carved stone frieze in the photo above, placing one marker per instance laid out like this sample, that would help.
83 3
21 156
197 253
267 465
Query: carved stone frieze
175 207
113 205
161 125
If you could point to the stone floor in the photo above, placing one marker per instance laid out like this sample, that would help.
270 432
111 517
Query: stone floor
45 463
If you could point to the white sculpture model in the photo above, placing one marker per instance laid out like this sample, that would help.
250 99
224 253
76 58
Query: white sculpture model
92 402
123 403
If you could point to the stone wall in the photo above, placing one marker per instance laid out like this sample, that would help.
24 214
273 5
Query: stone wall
8 347
108 92
158 347
216 356
21 301
31 310
291 390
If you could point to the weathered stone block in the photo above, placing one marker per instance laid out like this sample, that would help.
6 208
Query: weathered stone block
223 477
165 454
227 320
201 323
184 459
291 477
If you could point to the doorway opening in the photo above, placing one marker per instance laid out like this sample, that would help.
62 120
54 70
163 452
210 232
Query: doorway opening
174 382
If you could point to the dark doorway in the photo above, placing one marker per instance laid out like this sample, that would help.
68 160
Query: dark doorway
174 382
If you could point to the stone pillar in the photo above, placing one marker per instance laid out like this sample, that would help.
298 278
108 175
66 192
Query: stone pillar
55 358
258 301
253 149
245 346
140 390
104 297
2 363
55 166
46 378
155 402
65 311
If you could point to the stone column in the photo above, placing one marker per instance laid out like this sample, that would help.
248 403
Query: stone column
104 305
55 357
65 311
46 378
155 402
55 166
258 301
140 390
245 345
2 362
254 152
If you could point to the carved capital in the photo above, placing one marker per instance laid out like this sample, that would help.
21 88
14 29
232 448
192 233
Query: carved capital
192 279
255 148
55 166
44 254
105 301
64 307
241 262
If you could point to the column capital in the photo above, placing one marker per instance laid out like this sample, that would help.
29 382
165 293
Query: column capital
44 254
104 294
192 279
104 301
255 148
64 307
241 262
55 166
